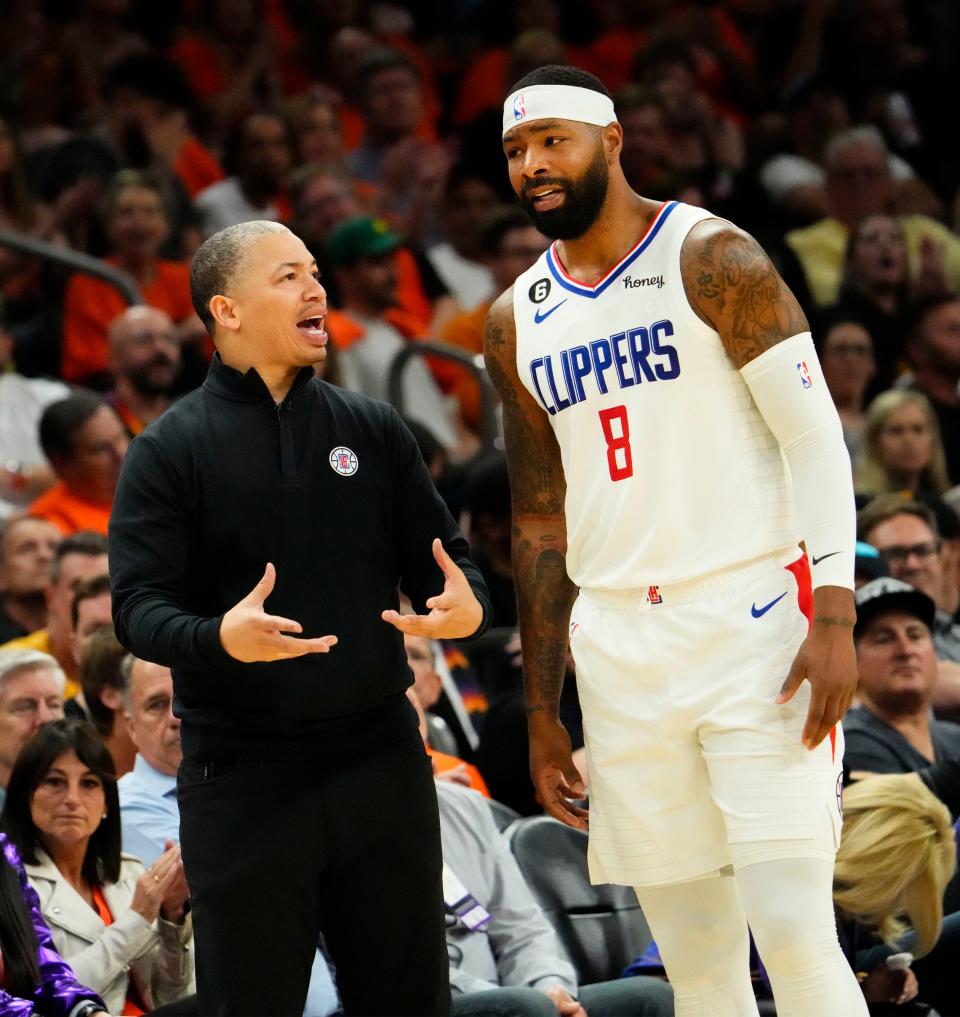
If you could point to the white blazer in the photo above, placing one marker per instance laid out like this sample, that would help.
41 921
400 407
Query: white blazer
158 956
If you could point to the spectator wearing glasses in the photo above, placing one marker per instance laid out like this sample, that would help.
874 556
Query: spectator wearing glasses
905 532
907 536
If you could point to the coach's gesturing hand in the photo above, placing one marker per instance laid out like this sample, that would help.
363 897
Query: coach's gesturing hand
454 614
249 634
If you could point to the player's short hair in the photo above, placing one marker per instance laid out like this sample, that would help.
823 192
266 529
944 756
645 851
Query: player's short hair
560 74
217 260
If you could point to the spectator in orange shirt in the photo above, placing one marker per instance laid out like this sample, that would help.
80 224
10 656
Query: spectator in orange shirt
85 441
136 226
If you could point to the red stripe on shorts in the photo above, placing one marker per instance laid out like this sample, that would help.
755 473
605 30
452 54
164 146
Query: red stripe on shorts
801 572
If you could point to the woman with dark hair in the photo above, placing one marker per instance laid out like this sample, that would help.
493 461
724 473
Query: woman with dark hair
34 978
125 931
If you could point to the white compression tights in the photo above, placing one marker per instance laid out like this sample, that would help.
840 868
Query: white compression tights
701 930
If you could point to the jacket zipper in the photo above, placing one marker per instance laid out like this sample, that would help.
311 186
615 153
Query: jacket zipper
288 459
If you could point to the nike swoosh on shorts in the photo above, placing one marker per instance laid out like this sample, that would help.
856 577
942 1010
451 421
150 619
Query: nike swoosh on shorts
816 560
759 612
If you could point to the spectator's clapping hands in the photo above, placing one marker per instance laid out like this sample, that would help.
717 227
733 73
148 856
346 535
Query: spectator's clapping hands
174 905
162 880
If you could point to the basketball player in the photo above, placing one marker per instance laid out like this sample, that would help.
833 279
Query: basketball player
671 440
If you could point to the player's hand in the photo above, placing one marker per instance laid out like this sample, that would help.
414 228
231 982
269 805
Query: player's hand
828 661
454 614
557 781
249 634
566 1005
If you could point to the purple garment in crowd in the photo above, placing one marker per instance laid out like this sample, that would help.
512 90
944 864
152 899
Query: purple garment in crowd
59 992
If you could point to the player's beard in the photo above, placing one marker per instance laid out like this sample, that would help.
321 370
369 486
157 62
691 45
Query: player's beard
582 202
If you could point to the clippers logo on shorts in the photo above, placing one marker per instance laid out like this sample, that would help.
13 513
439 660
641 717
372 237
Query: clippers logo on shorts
653 595
343 461
805 374
519 108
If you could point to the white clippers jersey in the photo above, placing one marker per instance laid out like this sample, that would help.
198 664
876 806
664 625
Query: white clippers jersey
671 472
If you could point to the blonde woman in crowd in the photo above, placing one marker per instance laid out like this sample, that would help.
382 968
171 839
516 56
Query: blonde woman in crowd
903 448
896 857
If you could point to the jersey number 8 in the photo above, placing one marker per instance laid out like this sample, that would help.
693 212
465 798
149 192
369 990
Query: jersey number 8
616 430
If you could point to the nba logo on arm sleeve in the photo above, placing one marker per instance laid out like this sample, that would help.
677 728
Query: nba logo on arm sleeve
805 378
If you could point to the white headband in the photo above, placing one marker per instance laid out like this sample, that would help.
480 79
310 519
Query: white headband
557 102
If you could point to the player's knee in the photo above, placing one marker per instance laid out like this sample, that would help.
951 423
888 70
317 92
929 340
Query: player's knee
793 941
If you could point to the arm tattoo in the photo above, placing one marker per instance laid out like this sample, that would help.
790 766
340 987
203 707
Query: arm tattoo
734 288
826 619
537 490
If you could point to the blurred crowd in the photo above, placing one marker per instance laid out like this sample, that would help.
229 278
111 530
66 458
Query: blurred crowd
131 130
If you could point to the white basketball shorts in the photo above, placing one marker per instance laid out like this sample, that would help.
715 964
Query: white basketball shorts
692 765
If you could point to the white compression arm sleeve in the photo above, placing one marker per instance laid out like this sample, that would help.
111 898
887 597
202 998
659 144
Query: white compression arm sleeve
787 385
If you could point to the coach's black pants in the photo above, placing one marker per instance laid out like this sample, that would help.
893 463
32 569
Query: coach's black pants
278 849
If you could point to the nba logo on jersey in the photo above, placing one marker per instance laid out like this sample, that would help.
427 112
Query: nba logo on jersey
805 374
519 108
653 595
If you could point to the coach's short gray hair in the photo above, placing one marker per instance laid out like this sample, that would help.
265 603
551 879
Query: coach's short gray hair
12 662
217 259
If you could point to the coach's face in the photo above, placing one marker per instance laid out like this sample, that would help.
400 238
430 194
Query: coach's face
276 307
560 172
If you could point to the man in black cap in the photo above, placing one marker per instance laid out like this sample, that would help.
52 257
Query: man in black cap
892 730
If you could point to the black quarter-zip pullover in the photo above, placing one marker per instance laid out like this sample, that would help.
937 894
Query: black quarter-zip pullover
330 487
